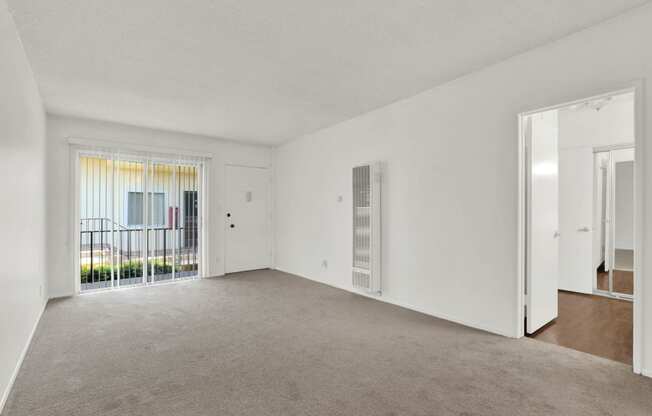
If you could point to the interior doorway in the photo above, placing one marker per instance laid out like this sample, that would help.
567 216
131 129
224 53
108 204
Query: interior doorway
578 217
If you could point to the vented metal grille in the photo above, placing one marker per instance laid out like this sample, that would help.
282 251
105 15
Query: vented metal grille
361 217
366 228
361 279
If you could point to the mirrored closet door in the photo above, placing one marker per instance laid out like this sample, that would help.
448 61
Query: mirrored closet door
615 202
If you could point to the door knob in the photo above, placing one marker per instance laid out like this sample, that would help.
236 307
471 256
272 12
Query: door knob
556 234
584 230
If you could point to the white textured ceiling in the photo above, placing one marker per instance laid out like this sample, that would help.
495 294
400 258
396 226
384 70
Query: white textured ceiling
268 71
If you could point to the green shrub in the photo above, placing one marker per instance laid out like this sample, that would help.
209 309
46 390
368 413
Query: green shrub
128 269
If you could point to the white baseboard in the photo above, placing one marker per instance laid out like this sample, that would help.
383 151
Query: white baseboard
385 299
61 295
10 385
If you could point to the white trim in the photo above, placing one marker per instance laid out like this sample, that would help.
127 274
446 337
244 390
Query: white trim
76 153
113 274
640 220
609 148
270 215
225 211
636 87
237 165
23 354
614 295
91 292
272 208
633 87
204 222
385 299
146 219
519 330
127 147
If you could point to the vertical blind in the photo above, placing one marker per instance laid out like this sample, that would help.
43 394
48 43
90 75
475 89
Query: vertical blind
140 219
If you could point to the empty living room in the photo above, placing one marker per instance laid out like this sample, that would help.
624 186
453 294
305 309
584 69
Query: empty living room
298 207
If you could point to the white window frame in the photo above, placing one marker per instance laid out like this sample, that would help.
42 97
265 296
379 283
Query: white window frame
147 155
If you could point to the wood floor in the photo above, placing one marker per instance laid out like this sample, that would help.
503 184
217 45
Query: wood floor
594 324
623 281
622 273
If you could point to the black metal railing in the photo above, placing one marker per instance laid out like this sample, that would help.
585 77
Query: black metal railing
112 254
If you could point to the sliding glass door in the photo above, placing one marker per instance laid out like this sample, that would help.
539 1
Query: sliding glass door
160 235
139 221
127 221
186 262
96 236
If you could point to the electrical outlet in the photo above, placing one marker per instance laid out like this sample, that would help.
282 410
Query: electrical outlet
324 264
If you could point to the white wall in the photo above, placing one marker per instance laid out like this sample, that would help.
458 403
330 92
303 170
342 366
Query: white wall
60 194
587 127
23 285
450 190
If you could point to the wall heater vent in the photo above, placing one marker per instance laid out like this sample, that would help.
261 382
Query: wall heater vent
366 227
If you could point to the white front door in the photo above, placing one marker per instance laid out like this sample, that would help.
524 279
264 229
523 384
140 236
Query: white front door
543 213
247 216
576 170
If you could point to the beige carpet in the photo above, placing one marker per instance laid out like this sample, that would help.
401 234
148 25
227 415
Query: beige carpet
268 343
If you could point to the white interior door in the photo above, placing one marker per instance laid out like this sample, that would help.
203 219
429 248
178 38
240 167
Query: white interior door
576 219
248 225
543 218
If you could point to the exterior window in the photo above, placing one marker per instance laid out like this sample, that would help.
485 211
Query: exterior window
135 208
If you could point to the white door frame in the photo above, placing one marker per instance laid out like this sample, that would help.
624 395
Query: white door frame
270 210
635 87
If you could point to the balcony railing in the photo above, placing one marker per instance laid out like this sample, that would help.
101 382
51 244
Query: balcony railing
112 254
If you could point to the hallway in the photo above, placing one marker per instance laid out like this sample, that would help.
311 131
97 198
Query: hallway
594 324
